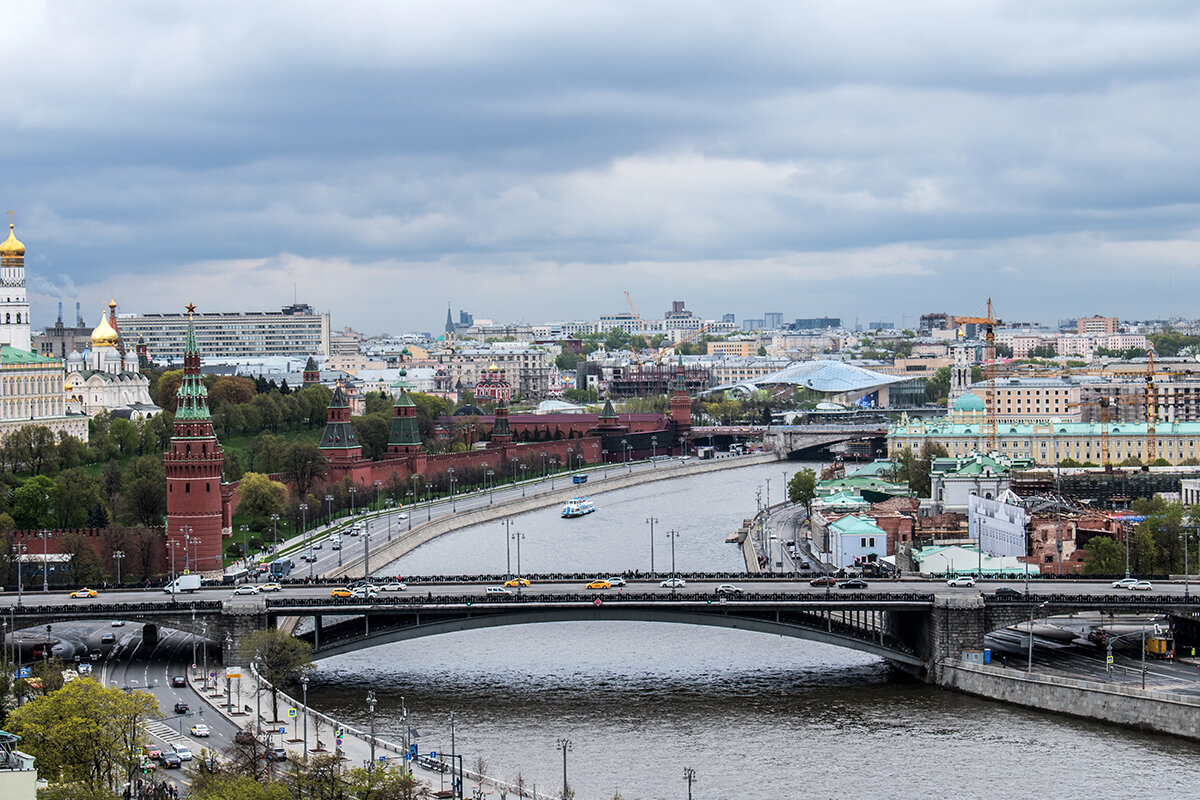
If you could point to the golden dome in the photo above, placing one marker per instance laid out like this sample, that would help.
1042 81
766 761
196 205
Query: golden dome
112 302
12 246
493 367
104 335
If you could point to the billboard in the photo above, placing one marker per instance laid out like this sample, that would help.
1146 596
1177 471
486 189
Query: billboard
998 527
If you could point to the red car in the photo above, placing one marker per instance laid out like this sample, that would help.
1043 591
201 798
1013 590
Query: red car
824 580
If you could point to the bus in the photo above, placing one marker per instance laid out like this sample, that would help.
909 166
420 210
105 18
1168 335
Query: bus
280 567
579 479
235 576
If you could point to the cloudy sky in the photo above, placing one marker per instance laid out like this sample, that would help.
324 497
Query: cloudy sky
532 160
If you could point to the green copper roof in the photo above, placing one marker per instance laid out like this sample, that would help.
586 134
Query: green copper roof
12 355
339 398
403 400
191 346
609 412
857 526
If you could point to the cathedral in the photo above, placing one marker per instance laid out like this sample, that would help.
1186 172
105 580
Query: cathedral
105 377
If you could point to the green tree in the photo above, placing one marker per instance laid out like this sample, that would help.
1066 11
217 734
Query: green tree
802 487
373 431
282 660
1103 556
168 387
81 501
567 361
914 470
303 465
937 388
260 498
33 503
144 491
84 733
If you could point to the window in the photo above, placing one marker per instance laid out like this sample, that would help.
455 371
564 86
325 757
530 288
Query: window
187 488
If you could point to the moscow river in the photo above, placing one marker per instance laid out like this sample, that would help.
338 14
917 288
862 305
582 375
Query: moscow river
755 716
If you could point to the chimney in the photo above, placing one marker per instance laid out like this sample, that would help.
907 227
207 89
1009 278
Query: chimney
60 313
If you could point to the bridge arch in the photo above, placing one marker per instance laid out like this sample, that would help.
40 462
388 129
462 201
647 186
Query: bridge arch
615 613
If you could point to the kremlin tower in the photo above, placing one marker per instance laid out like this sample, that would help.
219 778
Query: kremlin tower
194 466
339 443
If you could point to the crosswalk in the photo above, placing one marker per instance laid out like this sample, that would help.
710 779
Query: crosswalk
164 732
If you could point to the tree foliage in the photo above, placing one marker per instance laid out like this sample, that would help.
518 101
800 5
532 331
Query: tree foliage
260 498
802 487
282 659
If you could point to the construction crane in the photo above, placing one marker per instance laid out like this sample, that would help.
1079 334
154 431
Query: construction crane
641 327
989 368
670 349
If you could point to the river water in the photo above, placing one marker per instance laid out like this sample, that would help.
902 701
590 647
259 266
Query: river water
755 716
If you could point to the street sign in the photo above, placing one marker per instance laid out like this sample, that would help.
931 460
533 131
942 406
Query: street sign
234 674
1109 658
292 713
283 730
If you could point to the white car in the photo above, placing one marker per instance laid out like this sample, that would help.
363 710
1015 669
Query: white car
363 592
183 752
270 587
201 730
616 580
961 580
673 583
246 589
395 586
1124 583
1142 586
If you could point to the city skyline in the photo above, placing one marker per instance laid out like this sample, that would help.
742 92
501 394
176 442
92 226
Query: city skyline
531 162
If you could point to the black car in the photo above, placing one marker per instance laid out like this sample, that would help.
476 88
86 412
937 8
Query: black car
178 681
1008 593
853 583
181 707
171 760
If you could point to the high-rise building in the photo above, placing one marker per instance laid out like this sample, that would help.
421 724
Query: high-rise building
294 331
772 320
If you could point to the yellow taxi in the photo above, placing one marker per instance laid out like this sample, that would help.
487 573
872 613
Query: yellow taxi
599 585
516 582
341 592
85 593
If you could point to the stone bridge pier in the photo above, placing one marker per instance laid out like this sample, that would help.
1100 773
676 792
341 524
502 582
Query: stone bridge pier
237 621
953 624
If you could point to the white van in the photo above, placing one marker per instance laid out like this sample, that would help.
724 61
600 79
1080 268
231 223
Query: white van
498 590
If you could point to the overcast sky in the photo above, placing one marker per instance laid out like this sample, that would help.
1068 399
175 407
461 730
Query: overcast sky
532 160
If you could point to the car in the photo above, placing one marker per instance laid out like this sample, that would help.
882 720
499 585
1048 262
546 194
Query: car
1124 583
726 589
961 580
270 587
1008 593
364 592
151 751
824 580
805 565
318 546
84 669
246 589
201 730
598 584
243 737
277 754
616 580
1142 586
308 557
178 681
341 592
497 590
181 707
95 655
84 593
516 583
183 752
673 583
853 583
118 623
171 760
394 586
108 638
335 546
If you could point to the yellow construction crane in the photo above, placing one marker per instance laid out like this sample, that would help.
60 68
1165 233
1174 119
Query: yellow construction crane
989 367
641 327
670 349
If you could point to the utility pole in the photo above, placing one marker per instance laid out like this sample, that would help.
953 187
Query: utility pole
652 520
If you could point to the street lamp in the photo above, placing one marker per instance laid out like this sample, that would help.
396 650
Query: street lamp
605 453
304 702
455 782
45 561
654 449
353 491
570 457
543 454
523 468
629 458
652 520
1029 668
453 480
118 556
19 551
517 537
371 707
625 450
553 467
275 531
514 465
491 485
672 535
304 528
226 654
378 502
329 509
689 775
565 746
245 545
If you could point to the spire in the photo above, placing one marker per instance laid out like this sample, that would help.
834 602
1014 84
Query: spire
449 320
190 346
192 397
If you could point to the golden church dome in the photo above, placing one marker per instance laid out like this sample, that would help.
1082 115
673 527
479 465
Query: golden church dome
104 335
12 246
493 367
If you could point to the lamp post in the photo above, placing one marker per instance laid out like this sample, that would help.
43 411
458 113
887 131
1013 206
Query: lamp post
172 545
304 702
514 466
605 454
651 520
523 468
625 452
274 531
371 708
19 551
353 491
366 554
118 556
673 535
304 528
378 502
491 485
416 497
629 458
45 561
329 509
1029 667
225 655
689 775
654 450
507 548
408 496
553 468
570 457
517 537
428 502
565 746
455 782
245 545
204 647
543 454
453 480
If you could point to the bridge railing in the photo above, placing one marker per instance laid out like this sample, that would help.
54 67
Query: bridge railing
591 598
30 609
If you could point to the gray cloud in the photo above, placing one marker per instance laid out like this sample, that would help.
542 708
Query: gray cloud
531 160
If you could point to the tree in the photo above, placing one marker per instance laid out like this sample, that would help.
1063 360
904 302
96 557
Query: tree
1103 556
33 503
261 497
937 388
373 431
168 388
282 660
802 488
231 390
1002 350
144 491
81 502
303 464
914 470
84 733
